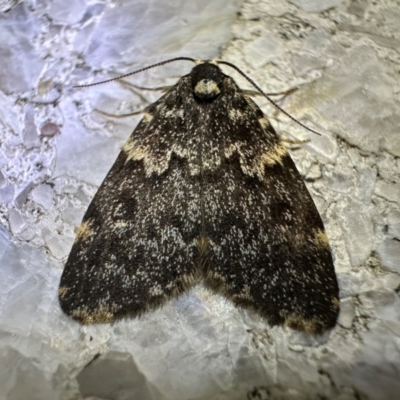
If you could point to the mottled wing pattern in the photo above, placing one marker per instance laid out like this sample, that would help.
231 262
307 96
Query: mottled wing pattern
268 250
133 250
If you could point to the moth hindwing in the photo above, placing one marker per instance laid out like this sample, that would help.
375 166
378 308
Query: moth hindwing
203 190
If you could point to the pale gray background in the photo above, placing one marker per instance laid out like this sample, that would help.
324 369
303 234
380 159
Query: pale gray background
343 56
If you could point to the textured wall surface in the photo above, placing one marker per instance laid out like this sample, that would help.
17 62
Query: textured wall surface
343 56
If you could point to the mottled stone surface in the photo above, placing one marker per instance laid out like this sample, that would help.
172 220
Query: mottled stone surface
56 147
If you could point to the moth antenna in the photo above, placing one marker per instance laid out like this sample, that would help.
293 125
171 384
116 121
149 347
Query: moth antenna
139 70
266 96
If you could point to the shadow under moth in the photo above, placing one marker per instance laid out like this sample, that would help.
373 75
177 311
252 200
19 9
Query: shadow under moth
203 189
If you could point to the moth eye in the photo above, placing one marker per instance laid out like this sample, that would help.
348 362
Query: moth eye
206 90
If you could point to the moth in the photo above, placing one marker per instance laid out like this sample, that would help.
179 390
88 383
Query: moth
203 190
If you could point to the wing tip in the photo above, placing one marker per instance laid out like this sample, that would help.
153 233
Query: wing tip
314 323
83 314
87 310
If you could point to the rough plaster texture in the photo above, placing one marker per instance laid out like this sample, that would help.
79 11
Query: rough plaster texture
343 58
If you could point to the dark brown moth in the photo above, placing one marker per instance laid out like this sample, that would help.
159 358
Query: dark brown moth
203 190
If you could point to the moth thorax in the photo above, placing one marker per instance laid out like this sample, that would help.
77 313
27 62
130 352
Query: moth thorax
206 89
207 81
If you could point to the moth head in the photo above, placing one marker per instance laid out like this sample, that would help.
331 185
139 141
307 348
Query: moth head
207 81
